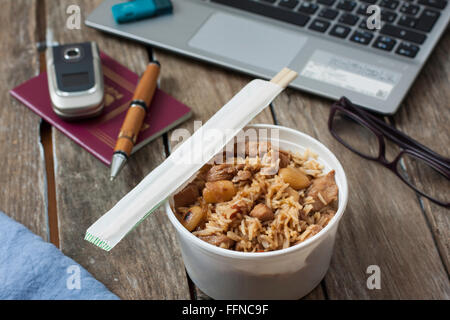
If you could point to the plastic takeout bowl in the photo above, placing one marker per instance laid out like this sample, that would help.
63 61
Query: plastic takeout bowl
289 273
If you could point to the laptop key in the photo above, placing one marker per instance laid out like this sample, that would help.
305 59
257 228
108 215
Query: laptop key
370 1
326 2
361 37
362 9
439 4
289 4
267 11
410 9
308 7
408 22
427 20
319 25
363 25
407 49
346 5
328 13
340 31
384 43
348 19
269 1
390 4
403 34
388 16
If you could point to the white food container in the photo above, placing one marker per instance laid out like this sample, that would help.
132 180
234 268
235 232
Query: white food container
283 274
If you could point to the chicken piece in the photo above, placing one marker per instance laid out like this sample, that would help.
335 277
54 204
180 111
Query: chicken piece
323 190
262 212
221 172
187 196
285 159
218 240
242 175
204 170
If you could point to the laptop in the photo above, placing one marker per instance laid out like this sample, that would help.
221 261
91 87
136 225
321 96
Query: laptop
326 41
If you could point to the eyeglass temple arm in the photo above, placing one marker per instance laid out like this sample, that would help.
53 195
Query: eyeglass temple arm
393 134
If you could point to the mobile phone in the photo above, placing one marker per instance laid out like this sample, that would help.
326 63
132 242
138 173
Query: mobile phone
75 80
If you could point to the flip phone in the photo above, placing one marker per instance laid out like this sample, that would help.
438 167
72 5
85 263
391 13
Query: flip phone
75 80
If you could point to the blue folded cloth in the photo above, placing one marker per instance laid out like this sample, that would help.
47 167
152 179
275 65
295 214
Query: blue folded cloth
32 269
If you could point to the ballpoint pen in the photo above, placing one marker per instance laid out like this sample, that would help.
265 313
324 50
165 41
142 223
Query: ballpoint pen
134 119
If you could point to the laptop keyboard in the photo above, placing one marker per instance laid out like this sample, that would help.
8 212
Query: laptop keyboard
405 23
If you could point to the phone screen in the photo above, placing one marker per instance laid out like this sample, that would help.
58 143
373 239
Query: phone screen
75 79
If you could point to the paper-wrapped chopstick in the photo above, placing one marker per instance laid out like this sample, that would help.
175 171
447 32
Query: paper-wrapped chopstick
186 160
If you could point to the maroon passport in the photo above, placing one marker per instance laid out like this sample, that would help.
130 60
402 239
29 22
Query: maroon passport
98 135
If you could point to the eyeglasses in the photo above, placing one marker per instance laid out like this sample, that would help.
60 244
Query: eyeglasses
422 169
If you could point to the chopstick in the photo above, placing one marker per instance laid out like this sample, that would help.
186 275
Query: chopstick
284 77
159 184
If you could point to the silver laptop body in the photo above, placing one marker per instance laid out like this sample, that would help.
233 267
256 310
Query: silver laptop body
261 46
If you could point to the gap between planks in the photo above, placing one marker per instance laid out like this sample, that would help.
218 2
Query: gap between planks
45 132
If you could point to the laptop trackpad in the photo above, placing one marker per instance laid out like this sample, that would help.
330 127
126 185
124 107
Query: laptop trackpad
248 41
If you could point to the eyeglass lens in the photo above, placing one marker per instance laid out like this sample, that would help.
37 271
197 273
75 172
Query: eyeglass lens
424 177
355 135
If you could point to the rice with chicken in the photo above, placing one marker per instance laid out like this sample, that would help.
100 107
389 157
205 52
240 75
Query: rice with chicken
266 200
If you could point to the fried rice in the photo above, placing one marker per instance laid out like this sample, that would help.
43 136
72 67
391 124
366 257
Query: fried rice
266 211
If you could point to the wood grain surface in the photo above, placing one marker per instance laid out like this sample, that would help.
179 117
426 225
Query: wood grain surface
147 263
425 116
386 223
22 179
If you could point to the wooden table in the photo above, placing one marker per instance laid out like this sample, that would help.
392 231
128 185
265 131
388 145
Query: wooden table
58 190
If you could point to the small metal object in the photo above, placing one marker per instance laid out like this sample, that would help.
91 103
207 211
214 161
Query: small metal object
118 161
72 54
75 80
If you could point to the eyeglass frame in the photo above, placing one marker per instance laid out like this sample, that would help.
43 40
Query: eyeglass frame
383 130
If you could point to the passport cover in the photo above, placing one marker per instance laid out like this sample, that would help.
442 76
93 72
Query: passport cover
98 135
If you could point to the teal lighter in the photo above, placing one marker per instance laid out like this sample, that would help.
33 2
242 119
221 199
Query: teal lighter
140 9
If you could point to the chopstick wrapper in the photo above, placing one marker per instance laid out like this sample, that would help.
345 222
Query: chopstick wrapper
184 162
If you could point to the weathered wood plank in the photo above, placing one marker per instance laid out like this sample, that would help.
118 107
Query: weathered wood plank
22 181
383 224
147 263
205 88
425 116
